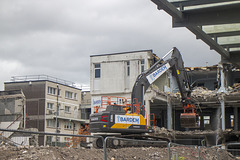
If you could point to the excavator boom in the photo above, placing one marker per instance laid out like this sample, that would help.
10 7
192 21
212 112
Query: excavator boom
189 119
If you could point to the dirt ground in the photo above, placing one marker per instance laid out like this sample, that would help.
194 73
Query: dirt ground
141 153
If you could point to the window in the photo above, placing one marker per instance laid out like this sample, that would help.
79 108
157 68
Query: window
97 68
206 120
85 113
68 95
68 125
67 109
75 96
121 101
51 123
142 66
49 139
52 90
128 68
50 106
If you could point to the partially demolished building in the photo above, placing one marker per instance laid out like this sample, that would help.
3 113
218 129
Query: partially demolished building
12 115
217 104
216 92
217 24
209 95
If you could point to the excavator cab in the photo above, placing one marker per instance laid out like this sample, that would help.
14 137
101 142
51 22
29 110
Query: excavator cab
189 119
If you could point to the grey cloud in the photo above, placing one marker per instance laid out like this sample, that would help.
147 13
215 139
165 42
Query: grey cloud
57 37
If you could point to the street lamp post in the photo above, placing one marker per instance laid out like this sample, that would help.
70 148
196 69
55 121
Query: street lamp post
57 115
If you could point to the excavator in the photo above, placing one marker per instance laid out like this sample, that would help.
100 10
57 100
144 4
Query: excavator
125 116
189 118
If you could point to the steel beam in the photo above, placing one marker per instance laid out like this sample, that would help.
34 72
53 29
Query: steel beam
232 45
224 34
225 14
168 7
208 40
223 113
169 113
176 14
197 2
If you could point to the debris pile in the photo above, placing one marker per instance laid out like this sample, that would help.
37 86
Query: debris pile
141 153
172 134
48 153
200 94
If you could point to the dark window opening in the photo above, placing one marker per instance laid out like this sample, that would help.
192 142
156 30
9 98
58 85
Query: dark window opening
97 70
128 68
142 65
200 84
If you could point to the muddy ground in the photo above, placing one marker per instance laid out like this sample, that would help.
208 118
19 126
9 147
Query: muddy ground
141 153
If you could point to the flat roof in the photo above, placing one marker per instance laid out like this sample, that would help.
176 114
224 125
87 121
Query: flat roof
121 53
41 78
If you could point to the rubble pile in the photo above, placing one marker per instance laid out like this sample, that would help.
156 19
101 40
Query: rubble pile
48 153
201 92
140 153
235 89
204 92
172 134
198 93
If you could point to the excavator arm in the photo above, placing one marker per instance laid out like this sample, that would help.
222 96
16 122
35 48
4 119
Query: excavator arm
189 119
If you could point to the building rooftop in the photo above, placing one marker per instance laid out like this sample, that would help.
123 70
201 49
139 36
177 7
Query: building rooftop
121 53
29 78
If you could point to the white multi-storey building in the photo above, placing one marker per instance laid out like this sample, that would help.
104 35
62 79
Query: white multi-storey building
115 74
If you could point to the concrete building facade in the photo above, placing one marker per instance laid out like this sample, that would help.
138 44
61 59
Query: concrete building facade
50 102
85 105
12 114
115 74
13 107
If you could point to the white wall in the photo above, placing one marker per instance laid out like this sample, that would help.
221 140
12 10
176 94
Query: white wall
114 80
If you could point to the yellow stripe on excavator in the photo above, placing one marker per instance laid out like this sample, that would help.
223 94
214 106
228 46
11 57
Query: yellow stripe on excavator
121 126
178 71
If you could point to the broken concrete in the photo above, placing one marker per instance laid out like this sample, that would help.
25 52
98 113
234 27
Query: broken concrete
140 153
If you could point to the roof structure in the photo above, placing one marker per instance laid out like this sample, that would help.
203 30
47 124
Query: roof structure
150 50
38 78
216 22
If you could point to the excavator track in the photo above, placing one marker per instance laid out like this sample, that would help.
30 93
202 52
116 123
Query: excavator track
132 140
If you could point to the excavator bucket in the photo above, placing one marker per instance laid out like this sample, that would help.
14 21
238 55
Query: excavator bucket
189 120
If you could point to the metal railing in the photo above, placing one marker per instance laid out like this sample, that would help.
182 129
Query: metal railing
131 140
42 77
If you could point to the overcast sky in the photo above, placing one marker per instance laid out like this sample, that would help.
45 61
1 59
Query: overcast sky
57 37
